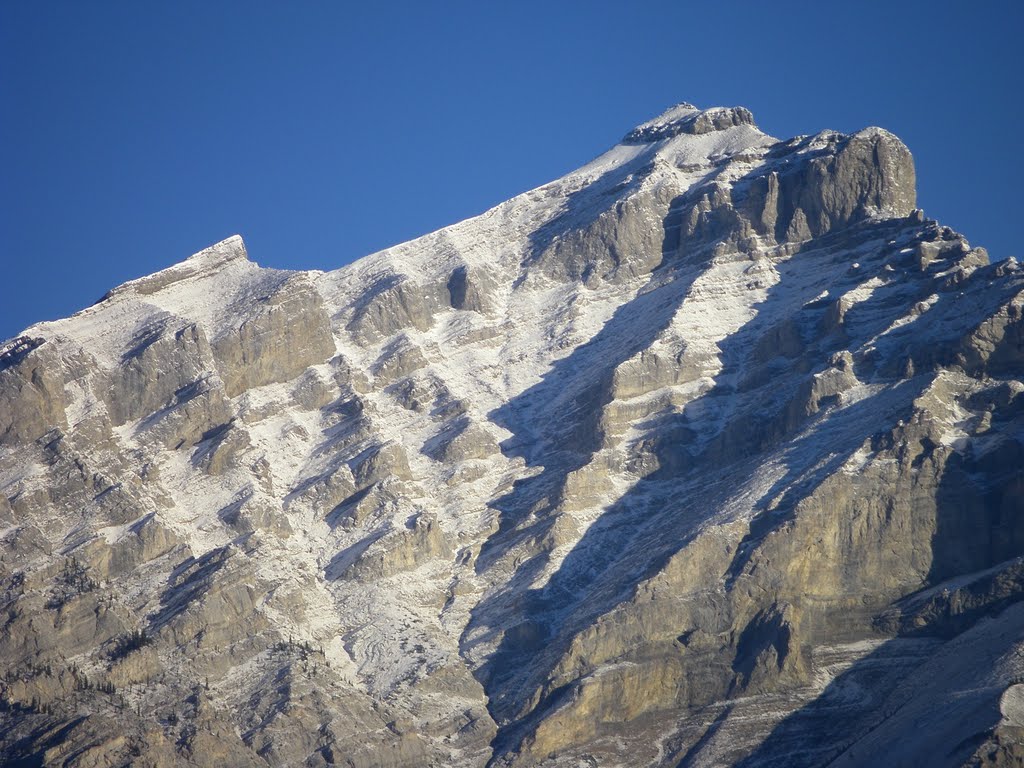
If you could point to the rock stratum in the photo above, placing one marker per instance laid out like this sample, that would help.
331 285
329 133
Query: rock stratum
709 453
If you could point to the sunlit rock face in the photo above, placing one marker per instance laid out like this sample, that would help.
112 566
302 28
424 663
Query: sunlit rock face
708 453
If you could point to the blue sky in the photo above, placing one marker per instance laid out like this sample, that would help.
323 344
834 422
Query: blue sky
134 134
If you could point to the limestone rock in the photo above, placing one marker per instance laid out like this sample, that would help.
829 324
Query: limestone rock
470 289
393 303
285 333
31 390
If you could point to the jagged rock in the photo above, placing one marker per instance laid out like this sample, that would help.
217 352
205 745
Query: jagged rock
313 391
197 410
650 370
621 243
218 449
379 462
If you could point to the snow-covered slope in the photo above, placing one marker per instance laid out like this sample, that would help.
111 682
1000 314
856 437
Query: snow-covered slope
635 468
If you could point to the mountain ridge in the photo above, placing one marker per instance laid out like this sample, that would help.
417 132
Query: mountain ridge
636 467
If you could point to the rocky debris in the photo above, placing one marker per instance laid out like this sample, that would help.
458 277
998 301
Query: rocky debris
664 463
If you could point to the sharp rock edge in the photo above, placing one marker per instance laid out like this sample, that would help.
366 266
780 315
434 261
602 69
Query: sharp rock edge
708 453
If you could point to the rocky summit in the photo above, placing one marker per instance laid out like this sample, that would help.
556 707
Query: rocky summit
708 453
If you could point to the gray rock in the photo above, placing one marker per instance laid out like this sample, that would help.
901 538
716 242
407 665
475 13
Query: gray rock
469 290
31 391
393 303
162 367
283 334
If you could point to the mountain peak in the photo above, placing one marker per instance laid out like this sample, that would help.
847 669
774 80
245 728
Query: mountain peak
206 262
650 465
686 118
228 249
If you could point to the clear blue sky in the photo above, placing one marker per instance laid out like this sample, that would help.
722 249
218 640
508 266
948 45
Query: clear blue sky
133 134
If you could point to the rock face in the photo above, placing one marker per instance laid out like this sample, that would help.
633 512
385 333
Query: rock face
708 453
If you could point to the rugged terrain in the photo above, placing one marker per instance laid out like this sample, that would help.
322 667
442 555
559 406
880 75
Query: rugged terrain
708 453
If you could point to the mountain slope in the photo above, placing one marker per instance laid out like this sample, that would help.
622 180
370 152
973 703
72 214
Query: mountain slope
663 463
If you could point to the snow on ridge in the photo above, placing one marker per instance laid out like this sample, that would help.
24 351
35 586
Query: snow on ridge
207 260
184 288
670 115
685 118
211 287
497 239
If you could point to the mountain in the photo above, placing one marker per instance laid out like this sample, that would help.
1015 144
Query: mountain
710 452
